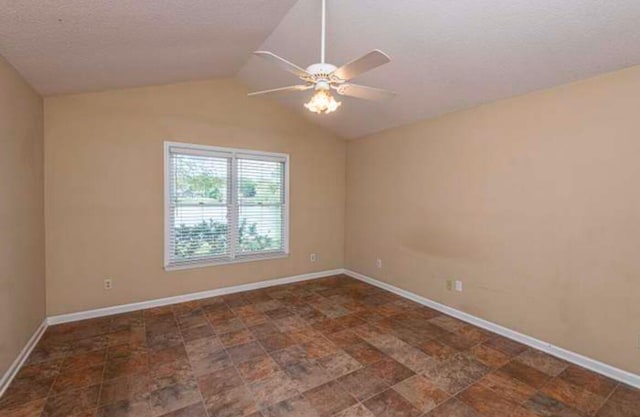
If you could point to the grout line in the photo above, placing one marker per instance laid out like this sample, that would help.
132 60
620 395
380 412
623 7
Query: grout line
608 398
184 345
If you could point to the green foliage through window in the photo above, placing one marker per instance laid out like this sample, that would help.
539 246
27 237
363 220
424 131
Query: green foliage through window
209 238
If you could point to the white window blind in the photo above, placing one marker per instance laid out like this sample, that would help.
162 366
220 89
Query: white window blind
224 205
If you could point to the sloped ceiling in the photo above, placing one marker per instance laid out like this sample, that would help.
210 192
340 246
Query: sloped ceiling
446 55
451 55
68 46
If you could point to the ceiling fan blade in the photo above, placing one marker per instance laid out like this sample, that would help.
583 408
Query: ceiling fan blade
367 93
282 63
288 89
365 63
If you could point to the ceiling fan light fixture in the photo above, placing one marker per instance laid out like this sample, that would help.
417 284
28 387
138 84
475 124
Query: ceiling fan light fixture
322 102
325 77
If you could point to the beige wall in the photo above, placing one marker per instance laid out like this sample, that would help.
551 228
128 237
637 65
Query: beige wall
22 281
533 202
104 189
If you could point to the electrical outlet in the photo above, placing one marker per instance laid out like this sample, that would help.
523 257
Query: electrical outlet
458 286
108 284
449 285
313 257
379 263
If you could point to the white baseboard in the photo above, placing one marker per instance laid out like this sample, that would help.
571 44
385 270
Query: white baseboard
575 358
588 363
125 308
22 357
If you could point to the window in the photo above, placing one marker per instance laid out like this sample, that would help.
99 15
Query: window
224 205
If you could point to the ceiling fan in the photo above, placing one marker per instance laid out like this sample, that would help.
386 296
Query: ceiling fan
324 77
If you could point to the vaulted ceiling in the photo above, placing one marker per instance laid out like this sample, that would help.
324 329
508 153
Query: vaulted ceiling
446 55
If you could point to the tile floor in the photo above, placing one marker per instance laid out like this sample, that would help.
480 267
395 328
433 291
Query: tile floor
328 347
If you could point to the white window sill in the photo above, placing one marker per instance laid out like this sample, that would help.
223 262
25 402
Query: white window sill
238 260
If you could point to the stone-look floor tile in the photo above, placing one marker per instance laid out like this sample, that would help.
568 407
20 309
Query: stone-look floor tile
506 346
245 352
211 363
489 356
344 338
134 335
226 325
489 403
29 409
273 389
454 408
391 371
364 353
125 408
263 330
329 399
200 348
363 383
24 390
413 358
194 410
84 360
578 398
133 388
438 350
237 337
319 348
448 323
542 362
164 339
221 380
258 368
170 373
89 344
544 405
278 313
196 332
508 387
70 379
421 393
276 341
289 355
315 347
237 402
339 364
456 373
307 374
290 324
44 352
171 398
135 363
525 373
627 396
357 410
458 341
475 334
590 381
391 404
614 409
79 403
292 407
163 356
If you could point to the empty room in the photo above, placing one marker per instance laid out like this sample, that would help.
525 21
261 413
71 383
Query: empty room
319 208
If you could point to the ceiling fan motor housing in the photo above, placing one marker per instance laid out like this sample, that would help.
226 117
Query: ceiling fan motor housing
321 71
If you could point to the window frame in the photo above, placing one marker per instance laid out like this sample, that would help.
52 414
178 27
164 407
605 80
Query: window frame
234 257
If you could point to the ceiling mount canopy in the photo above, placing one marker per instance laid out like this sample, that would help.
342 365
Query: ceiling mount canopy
324 77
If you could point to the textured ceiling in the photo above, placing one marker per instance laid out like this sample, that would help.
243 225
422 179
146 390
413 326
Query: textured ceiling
63 46
451 55
446 55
